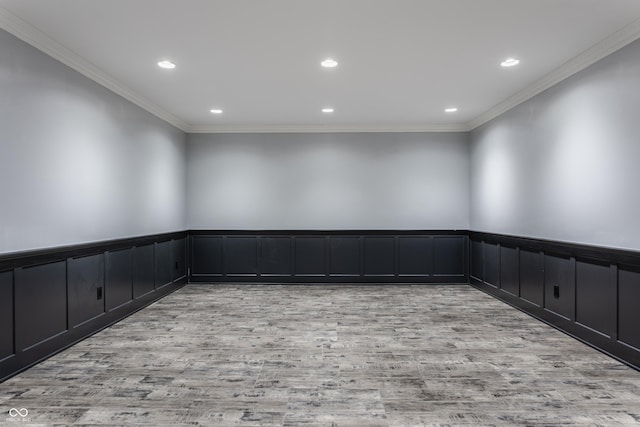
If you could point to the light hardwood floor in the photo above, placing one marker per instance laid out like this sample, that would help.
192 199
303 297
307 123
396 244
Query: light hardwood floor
326 355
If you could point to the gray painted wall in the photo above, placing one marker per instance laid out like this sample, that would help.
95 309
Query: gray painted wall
564 165
78 163
328 181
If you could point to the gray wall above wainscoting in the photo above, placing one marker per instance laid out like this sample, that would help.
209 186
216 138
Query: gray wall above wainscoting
564 165
359 181
79 163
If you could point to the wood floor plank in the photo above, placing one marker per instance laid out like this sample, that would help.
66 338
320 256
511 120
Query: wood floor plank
343 355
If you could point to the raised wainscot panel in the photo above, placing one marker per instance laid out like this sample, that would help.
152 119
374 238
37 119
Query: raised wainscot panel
559 282
477 260
491 255
163 254
143 270
509 270
6 314
241 256
85 288
531 277
449 255
206 256
344 258
118 278
52 298
379 256
40 303
310 256
415 256
595 297
275 256
628 306
179 270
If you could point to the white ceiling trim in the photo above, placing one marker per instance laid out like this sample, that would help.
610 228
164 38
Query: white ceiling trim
328 129
605 47
28 33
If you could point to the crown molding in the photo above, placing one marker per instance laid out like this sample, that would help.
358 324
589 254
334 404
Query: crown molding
327 129
46 44
600 50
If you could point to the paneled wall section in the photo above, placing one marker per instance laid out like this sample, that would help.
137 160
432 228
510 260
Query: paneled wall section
590 293
326 257
51 299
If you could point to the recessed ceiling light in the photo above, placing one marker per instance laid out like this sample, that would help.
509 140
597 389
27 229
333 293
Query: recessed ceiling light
216 111
167 64
327 110
510 62
451 110
329 63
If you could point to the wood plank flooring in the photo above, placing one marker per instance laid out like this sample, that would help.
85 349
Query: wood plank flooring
328 356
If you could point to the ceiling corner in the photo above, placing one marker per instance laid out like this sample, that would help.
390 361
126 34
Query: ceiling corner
595 53
46 44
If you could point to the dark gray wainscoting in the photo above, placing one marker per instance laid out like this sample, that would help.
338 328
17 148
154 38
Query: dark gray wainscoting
328 256
50 299
591 293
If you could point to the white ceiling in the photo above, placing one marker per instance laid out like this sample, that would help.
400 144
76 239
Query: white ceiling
401 62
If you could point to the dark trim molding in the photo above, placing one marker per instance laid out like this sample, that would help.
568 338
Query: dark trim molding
591 293
43 256
602 253
327 232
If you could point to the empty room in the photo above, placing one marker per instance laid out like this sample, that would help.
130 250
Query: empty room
319 213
